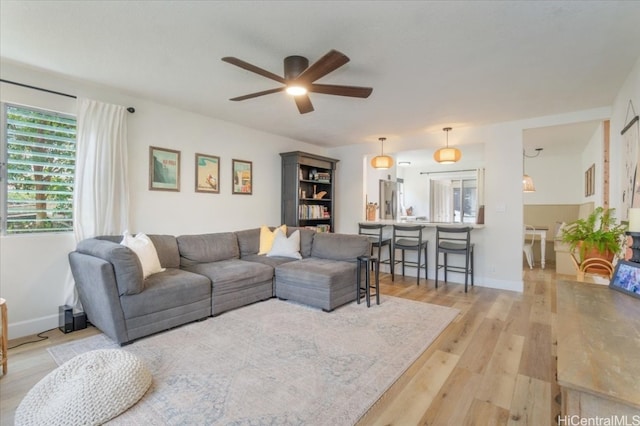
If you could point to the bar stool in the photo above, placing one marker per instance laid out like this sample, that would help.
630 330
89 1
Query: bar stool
5 338
366 291
374 231
452 240
409 237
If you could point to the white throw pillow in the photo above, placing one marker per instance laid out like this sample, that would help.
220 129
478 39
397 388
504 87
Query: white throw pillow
142 246
267 236
286 247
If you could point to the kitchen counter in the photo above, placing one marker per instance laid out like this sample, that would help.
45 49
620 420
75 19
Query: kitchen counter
391 222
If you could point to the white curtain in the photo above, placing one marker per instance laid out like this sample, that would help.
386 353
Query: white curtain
480 186
441 200
101 195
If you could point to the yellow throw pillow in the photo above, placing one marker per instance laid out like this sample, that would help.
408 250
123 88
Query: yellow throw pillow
267 236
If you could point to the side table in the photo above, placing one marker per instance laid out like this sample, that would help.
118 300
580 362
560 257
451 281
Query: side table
367 262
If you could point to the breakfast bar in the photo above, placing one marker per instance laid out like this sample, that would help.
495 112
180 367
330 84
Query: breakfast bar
429 233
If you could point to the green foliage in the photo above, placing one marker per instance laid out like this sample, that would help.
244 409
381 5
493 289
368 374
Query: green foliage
40 170
599 230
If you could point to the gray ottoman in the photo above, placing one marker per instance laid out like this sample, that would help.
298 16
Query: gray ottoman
322 283
89 389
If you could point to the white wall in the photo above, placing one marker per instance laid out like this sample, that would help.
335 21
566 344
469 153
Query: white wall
559 179
592 155
34 268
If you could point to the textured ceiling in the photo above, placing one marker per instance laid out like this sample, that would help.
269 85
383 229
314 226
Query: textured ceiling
431 64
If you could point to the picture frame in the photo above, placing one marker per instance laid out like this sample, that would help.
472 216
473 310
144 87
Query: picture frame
207 173
590 181
164 169
626 278
242 177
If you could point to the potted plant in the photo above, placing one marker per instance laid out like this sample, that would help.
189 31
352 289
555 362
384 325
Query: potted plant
596 236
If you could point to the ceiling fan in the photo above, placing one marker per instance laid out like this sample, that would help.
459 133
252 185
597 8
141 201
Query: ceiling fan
299 79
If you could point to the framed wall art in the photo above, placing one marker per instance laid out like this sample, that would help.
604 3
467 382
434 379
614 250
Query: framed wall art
242 177
207 173
590 181
164 169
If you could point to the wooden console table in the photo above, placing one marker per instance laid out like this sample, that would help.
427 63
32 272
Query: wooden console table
598 333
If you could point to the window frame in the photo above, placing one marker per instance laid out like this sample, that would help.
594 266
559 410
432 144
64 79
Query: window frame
457 180
4 170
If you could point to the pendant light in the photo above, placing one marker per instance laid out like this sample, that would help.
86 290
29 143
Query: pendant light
447 155
382 161
527 181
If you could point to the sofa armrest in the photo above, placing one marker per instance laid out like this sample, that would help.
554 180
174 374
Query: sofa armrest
96 284
126 265
345 247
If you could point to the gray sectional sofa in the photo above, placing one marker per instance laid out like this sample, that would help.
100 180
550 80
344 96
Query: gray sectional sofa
205 275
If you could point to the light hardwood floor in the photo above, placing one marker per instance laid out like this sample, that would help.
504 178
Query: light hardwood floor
494 365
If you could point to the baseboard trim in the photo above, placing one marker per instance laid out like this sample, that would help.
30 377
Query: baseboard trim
32 326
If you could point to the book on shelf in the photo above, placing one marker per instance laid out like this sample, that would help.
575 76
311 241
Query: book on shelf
312 211
319 228
323 228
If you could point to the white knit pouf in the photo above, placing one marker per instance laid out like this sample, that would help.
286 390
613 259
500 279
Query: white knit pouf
87 390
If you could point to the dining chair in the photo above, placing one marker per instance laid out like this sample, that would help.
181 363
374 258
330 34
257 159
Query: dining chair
527 247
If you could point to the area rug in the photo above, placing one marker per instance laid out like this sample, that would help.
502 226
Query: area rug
276 362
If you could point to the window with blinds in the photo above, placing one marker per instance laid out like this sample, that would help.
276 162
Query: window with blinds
39 169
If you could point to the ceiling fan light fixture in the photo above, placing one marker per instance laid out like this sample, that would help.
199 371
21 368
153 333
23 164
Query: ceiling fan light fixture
295 90
447 155
300 78
382 162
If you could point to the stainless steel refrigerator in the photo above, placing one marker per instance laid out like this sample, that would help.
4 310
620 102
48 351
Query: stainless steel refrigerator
389 199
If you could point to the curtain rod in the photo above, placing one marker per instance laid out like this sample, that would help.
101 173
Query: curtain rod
449 171
130 109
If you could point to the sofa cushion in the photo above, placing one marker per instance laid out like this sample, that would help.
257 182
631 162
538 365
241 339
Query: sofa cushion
248 241
265 260
233 273
167 248
322 283
306 239
126 264
166 290
340 246
205 248
317 273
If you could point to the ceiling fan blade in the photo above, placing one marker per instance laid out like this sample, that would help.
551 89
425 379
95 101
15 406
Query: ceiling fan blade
323 66
256 94
304 104
249 67
332 89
